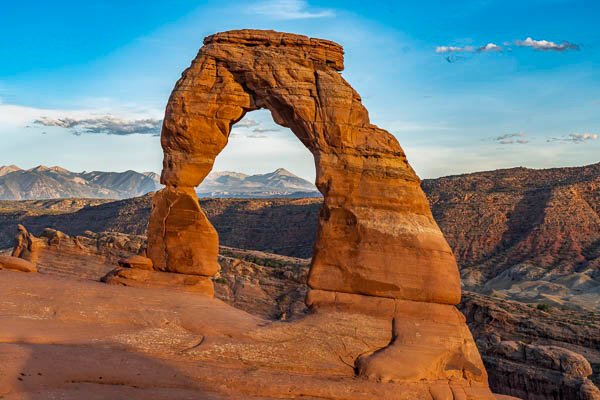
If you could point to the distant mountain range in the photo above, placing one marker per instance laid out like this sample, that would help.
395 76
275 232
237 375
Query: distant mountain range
279 183
55 182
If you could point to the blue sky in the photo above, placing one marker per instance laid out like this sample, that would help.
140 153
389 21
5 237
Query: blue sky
465 86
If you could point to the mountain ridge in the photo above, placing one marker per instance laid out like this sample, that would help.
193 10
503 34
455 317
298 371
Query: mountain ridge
54 182
42 182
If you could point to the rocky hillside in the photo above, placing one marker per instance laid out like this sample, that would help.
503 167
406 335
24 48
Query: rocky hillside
282 226
531 235
55 182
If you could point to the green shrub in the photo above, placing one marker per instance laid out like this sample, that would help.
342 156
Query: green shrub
543 307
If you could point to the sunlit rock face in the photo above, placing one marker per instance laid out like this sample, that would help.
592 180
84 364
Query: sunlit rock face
376 233
378 248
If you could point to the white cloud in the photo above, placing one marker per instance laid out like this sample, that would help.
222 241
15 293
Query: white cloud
247 123
493 47
454 49
512 138
575 138
289 9
106 124
15 116
546 45
489 47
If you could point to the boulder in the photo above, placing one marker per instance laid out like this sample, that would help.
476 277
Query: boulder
137 261
16 264
155 279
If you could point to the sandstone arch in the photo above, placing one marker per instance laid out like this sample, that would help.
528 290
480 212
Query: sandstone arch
378 248
376 233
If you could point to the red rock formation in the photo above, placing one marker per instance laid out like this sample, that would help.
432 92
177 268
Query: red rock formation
16 264
378 247
375 216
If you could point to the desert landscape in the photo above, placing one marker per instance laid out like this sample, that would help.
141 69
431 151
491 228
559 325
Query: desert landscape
205 282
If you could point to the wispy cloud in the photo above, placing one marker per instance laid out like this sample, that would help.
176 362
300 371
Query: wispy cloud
289 9
490 47
512 138
256 136
453 49
107 124
575 138
546 45
265 130
247 123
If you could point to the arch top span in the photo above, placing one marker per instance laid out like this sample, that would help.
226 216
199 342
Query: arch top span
319 50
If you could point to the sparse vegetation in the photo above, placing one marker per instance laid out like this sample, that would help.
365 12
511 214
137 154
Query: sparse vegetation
543 307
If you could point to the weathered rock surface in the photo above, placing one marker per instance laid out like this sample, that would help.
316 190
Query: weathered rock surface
376 235
188 243
107 341
136 261
88 256
16 264
135 277
534 354
525 234
274 287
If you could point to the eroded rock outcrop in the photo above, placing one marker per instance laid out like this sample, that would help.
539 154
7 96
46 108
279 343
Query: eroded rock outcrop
24 253
378 248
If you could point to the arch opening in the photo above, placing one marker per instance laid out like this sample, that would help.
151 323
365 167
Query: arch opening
261 199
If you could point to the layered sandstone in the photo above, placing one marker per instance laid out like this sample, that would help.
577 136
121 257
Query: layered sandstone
376 233
378 249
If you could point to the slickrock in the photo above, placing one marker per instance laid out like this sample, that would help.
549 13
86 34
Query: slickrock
376 238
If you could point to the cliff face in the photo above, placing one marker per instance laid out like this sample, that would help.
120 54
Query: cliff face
534 354
280 226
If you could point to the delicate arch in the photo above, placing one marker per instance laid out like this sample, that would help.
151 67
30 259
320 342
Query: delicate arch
376 234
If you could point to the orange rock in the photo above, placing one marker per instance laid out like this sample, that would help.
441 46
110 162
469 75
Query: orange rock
181 239
378 250
139 262
16 264
155 279
376 233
